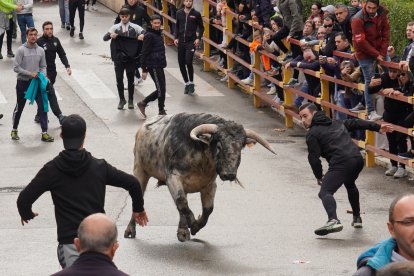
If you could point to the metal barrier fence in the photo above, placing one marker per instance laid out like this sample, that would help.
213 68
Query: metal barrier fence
260 96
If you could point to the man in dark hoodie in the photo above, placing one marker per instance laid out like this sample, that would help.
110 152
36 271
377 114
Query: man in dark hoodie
77 182
332 141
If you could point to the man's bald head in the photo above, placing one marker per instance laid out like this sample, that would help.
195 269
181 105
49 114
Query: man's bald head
403 197
97 233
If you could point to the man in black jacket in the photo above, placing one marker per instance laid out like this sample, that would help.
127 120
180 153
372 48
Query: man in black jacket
97 244
139 16
332 141
125 50
77 182
187 41
52 46
153 60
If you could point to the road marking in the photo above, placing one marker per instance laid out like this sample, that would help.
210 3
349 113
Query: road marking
206 91
90 82
147 87
2 98
58 97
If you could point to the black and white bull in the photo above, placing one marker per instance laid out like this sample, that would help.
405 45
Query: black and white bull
186 152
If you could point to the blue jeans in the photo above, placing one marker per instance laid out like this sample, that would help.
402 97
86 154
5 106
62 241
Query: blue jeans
367 67
24 20
64 11
304 88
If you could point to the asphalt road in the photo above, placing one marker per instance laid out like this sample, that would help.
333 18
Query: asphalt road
265 228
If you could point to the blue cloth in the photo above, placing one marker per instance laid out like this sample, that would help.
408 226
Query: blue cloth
36 84
380 254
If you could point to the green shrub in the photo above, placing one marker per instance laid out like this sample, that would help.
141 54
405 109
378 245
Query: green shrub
400 13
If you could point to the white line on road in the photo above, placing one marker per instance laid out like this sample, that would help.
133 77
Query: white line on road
59 98
202 88
2 98
90 82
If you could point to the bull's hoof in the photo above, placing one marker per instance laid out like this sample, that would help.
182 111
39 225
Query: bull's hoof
130 233
183 234
194 228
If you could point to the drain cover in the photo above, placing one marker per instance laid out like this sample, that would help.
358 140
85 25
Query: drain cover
11 189
280 141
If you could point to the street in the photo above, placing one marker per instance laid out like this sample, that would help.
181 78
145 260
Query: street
265 228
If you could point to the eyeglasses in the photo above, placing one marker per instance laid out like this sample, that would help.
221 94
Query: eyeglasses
327 26
406 222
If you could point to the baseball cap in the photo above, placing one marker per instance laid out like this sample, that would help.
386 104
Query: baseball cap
73 131
330 9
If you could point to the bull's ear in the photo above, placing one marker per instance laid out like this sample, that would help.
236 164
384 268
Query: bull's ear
250 142
205 138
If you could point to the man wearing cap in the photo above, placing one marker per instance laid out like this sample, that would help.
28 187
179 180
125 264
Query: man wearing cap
77 182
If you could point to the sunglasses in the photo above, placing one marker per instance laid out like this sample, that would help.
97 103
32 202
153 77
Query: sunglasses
327 26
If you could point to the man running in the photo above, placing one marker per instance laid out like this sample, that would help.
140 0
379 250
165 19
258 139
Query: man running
52 46
188 20
331 140
153 60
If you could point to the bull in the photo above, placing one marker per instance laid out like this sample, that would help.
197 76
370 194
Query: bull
186 152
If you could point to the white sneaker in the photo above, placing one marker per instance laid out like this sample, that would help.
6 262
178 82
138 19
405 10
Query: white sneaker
400 173
137 81
391 171
373 116
225 78
247 81
272 90
94 8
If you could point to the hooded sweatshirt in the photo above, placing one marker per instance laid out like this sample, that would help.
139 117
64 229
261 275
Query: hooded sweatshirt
331 140
77 182
29 60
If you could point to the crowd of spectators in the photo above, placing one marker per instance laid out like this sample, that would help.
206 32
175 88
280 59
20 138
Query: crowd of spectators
361 31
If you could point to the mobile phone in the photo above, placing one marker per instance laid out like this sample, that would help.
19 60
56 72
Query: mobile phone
377 75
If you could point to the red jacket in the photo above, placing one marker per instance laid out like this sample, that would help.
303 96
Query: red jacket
371 36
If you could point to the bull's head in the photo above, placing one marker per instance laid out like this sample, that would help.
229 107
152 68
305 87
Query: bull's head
227 140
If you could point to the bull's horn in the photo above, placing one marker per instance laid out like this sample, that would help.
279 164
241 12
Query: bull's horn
203 129
253 135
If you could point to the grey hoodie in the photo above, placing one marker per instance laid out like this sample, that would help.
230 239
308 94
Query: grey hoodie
29 60
27 6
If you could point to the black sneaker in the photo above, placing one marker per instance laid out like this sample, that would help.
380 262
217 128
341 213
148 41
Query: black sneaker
61 118
191 89
72 31
130 104
357 222
37 119
162 113
141 108
10 54
186 89
63 25
1 56
1 116
68 27
121 104
406 155
81 36
331 226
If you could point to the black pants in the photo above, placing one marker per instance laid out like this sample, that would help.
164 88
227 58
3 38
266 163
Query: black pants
337 175
158 76
9 34
51 94
129 67
21 87
296 51
185 60
80 6
397 141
